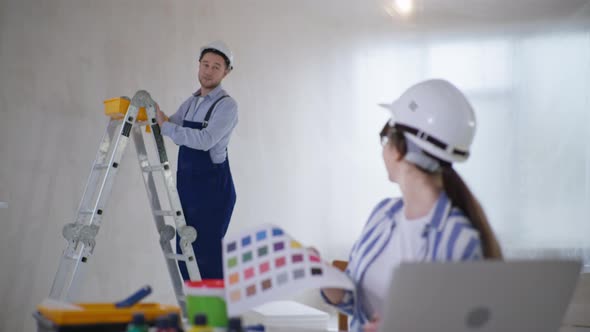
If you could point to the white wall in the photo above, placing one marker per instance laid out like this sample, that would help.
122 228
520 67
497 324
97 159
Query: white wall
305 154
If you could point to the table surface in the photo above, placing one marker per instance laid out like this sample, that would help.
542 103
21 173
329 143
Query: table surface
291 329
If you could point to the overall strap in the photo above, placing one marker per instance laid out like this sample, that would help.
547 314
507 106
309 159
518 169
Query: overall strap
189 107
208 116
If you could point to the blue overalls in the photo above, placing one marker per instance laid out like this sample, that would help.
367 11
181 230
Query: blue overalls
207 195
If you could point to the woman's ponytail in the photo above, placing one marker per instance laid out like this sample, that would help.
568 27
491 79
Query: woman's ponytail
462 198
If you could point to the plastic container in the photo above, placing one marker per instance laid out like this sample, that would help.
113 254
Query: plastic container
175 322
116 108
138 324
235 325
163 324
208 297
199 324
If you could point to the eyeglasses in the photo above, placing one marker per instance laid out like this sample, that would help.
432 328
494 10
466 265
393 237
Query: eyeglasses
385 134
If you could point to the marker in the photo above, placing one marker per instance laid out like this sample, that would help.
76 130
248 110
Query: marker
134 298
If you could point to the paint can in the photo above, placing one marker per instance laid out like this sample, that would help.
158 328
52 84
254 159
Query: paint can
208 297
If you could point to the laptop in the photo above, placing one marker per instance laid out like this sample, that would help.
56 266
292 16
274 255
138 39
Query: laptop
509 296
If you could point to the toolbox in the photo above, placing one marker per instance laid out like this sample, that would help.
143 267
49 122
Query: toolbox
97 317
116 108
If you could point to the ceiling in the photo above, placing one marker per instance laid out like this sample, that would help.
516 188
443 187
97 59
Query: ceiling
434 14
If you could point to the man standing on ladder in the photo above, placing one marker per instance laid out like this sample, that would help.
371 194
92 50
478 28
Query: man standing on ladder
202 127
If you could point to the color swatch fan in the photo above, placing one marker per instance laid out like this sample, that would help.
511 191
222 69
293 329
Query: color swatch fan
265 264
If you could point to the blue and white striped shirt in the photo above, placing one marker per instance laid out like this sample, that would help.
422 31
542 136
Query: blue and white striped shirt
449 236
215 137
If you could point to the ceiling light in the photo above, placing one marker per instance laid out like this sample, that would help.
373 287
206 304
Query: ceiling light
403 7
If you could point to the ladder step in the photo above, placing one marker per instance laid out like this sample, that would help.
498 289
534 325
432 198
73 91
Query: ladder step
153 168
177 257
101 166
164 213
89 212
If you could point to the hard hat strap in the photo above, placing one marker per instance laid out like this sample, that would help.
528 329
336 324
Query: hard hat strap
433 140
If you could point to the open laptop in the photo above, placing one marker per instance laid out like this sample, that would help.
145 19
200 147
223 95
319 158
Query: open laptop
512 296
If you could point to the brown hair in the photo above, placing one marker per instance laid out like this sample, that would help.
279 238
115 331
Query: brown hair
458 193
212 50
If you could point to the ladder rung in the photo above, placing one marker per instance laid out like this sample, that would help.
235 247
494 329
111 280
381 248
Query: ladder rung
152 168
164 213
177 257
101 166
86 212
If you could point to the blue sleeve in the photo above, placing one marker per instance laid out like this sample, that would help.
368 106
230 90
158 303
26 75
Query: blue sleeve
222 122
347 303
178 117
370 222
472 250
464 242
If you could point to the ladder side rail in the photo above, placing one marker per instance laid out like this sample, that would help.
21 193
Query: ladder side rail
87 234
166 232
114 163
101 156
63 277
187 234
70 259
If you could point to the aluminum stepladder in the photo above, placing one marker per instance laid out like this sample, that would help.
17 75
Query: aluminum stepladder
81 234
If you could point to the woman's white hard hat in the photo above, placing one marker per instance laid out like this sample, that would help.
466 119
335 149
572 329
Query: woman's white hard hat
436 116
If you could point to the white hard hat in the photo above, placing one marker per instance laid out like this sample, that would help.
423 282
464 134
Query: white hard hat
221 47
437 117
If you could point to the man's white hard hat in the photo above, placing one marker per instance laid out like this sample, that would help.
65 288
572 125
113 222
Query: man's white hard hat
222 48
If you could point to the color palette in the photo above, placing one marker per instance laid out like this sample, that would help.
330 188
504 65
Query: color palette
262 264
264 267
266 284
299 273
297 258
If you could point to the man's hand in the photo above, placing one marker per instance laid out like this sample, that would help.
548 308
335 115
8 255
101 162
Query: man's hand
160 116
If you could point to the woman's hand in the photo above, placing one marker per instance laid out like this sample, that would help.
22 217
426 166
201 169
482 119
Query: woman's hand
373 325
334 295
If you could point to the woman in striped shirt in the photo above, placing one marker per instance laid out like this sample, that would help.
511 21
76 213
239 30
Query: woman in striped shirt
436 219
